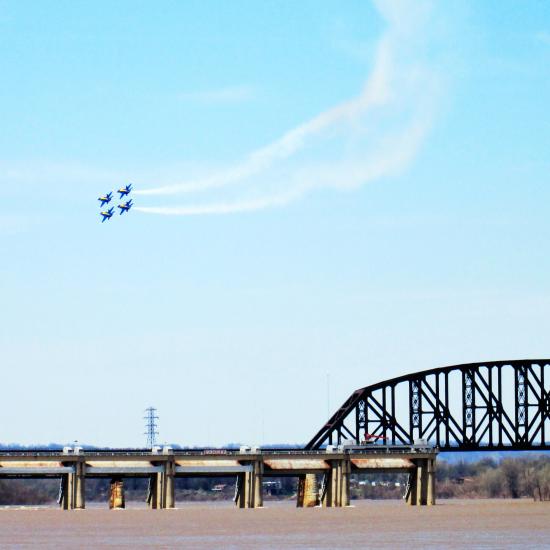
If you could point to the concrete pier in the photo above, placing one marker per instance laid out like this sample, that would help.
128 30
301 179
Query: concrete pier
162 487
307 495
156 494
258 472
431 481
67 491
422 483
80 485
116 494
249 486
170 484
337 493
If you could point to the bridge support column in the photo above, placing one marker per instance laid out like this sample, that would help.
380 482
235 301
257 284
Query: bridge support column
308 492
249 487
156 490
162 489
80 485
116 494
170 484
414 489
346 481
431 481
258 477
337 493
67 492
242 496
422 483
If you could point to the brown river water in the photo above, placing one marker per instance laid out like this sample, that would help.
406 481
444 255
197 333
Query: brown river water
368 524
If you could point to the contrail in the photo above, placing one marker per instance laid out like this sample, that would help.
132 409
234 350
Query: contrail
352 176
222 208
376 134
374 93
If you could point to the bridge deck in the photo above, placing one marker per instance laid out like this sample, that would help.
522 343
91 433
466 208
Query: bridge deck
213 462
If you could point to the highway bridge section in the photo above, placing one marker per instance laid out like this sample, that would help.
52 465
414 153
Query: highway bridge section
333 466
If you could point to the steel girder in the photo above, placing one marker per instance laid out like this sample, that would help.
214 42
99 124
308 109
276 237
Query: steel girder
497 405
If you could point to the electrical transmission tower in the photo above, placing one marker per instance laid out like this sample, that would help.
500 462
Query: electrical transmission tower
151 426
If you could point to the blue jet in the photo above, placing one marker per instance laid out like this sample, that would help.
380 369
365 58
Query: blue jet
125 190
106 198
107 214
125 206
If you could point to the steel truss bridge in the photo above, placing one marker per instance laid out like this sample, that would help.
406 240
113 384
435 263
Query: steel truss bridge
498 405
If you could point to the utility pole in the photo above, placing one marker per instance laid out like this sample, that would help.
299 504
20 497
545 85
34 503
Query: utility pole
328 396
151 426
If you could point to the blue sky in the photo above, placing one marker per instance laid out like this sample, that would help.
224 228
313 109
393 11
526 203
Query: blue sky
405 234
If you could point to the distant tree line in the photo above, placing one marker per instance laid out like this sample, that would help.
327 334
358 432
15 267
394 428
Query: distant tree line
508 478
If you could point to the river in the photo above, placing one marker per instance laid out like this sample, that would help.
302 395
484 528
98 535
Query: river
380 524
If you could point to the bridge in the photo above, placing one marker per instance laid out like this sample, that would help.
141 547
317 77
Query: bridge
248 465
398 425
491 406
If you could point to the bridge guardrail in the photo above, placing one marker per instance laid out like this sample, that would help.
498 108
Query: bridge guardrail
374 449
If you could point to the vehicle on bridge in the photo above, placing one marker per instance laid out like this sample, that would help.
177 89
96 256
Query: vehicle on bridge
371 438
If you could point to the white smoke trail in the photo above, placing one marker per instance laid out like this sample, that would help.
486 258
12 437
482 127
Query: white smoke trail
376 134
224 208
374 93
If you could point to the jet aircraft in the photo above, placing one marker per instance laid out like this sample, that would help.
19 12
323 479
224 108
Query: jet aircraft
107 214
125 206
105 199
125 190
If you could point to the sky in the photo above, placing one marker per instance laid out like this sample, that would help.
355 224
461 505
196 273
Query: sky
327 194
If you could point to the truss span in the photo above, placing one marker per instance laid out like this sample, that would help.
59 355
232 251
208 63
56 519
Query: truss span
498 405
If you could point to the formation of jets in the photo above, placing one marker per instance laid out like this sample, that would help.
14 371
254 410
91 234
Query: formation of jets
124 207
